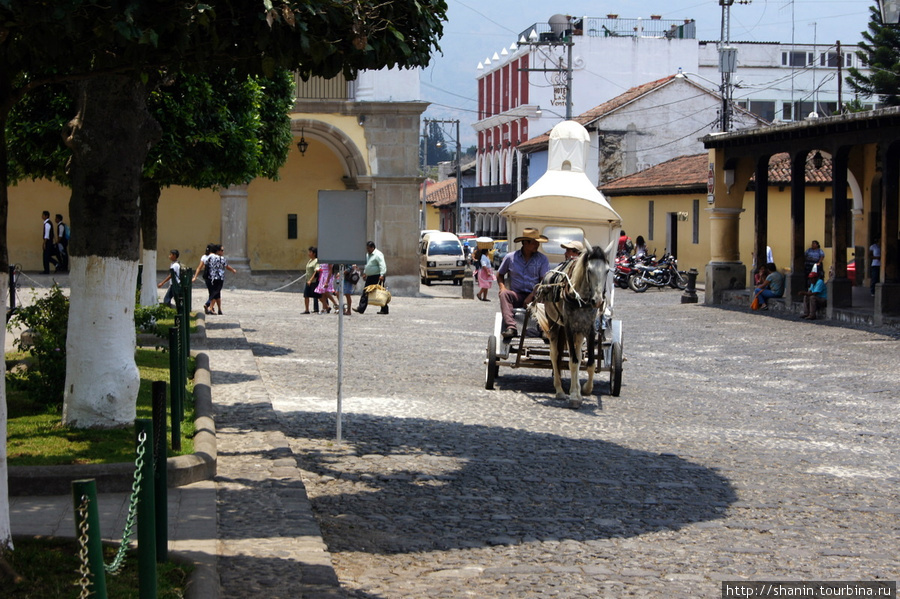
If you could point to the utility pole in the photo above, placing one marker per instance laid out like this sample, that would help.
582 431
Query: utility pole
458 171
565 40
840 81
424 173
727 59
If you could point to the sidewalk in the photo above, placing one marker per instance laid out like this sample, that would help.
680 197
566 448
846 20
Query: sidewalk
192 525
218 524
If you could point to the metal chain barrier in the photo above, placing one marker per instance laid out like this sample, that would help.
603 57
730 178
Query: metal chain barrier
84 569
127 533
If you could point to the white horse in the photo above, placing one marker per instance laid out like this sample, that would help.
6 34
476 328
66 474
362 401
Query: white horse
566 304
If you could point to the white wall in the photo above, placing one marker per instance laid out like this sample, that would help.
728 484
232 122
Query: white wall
761 76
388 85
603 68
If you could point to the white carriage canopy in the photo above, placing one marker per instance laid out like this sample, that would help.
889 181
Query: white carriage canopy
564 194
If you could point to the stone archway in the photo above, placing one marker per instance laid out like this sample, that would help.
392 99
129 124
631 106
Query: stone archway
340 144
235 199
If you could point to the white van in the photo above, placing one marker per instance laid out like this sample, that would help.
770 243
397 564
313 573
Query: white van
441 258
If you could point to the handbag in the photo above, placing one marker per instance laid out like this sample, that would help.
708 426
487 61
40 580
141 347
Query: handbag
378 295
352 277
754 305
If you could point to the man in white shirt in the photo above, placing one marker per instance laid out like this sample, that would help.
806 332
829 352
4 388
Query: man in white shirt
49 246
174 275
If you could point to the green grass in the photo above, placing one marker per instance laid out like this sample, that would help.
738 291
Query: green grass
50 570
165 324
36 436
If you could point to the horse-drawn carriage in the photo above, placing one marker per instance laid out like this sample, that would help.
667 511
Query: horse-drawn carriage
572 313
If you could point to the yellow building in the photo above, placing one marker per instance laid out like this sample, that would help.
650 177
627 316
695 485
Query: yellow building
667 205
358 138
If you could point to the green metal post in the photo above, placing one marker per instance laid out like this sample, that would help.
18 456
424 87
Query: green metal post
186 286
185 325
187 275
146 533
181 326
159 472
174 362
90 521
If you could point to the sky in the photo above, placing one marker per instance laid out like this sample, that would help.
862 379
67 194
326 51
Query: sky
476 30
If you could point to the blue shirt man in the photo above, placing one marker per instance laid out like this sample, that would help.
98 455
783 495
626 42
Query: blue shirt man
525 267
815 298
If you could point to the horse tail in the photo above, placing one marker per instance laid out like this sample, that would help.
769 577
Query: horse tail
539 313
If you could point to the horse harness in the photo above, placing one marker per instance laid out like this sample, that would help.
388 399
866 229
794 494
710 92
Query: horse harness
556 287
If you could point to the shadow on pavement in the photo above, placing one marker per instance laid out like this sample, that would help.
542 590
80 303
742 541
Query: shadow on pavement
404 485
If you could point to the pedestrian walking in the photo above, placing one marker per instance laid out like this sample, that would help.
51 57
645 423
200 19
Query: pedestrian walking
375 271
216 263
312 280
201 268
62 243
325 288
485 274
48 246
174 276
351 278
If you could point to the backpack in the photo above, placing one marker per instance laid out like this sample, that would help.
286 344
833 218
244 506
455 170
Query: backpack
65 235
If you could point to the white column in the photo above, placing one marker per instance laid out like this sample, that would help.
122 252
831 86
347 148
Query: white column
234 226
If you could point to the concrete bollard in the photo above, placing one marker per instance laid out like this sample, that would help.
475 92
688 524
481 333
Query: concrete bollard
690 292
468 283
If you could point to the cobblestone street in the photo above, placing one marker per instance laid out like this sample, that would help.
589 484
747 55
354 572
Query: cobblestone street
743 446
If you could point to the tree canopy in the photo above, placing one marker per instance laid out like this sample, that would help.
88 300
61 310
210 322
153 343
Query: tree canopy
217 129
46 41
881 52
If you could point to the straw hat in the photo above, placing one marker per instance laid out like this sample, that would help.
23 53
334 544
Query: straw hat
530 233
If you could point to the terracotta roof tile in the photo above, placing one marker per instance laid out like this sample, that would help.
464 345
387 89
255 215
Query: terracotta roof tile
690 172
683 172
442 193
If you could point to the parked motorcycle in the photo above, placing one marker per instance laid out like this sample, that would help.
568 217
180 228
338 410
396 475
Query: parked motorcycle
662 273
624 270
679 278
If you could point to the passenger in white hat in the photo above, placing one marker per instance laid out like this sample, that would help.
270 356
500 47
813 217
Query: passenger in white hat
573 249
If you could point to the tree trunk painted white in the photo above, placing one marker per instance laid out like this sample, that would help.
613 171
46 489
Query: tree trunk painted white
5 530
102 379
149 292
101 376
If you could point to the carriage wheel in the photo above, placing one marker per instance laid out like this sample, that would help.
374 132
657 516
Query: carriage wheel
491 367
615 369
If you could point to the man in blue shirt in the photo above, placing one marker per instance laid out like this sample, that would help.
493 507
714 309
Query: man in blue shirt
525 267
814 299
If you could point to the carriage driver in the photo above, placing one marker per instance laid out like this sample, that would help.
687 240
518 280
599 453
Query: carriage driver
526 267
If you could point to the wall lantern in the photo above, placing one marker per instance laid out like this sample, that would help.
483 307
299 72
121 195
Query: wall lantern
890 11
302 145
817 160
